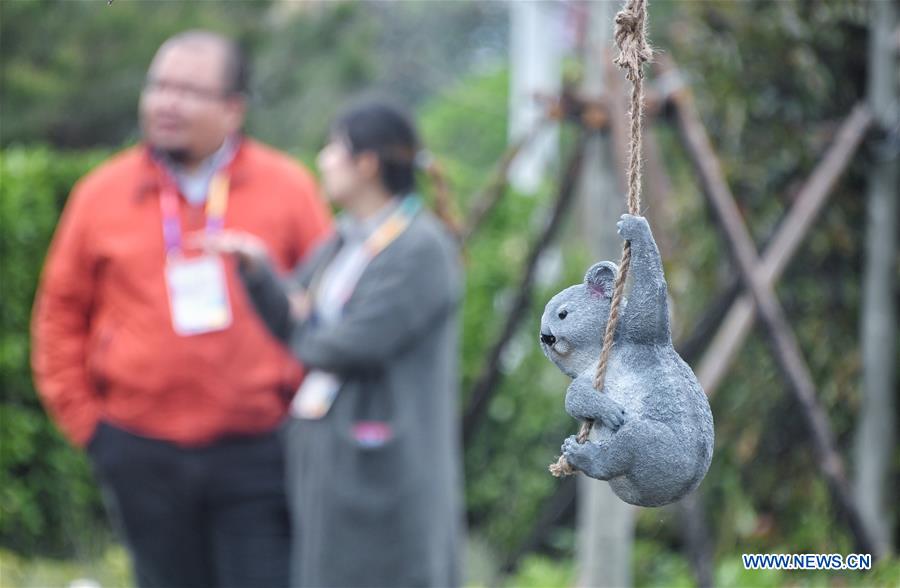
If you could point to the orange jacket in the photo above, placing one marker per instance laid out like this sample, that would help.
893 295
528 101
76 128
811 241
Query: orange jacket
103 346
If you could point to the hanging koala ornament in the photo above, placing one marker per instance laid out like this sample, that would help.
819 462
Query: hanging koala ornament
654 429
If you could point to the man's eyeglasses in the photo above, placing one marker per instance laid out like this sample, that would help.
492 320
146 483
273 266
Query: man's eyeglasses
186 91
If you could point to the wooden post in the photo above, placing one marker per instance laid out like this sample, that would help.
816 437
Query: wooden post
877 428
605 523
535 58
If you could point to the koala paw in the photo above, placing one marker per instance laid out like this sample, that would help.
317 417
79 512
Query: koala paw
585 403
632 227
612 416
577 454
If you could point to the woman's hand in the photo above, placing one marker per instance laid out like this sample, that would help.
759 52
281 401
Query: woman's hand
249 250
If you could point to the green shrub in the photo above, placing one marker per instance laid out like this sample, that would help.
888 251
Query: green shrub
48 499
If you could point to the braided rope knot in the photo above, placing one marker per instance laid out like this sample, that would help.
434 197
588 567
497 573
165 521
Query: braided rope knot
627 22
631 39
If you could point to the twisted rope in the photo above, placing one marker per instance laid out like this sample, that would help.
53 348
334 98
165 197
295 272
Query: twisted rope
634 51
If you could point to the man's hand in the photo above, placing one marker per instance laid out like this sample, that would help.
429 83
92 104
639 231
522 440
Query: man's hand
249 250
301 304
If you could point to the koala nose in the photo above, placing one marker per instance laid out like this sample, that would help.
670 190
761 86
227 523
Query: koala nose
548 339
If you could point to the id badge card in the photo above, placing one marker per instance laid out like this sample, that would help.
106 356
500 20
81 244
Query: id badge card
198 295
315 396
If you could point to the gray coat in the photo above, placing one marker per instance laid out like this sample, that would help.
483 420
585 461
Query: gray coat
391 515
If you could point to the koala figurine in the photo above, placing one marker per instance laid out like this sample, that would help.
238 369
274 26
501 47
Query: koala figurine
653 437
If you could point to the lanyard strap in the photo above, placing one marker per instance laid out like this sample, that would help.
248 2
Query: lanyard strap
384 235
392 227
216 204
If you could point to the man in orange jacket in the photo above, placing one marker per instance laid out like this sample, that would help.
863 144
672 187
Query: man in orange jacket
147 353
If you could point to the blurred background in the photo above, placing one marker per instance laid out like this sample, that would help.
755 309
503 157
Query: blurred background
773 84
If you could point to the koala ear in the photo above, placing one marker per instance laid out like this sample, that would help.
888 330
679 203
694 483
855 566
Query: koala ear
601 278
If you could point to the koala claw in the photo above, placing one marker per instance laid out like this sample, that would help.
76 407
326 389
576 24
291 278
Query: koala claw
568 441
612 418
631 227
585 403
576 453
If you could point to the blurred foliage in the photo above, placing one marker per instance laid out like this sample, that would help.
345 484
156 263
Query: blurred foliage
81 89
310 62
111 568
542 572
49 503
305 66
772 81
71 71
660 565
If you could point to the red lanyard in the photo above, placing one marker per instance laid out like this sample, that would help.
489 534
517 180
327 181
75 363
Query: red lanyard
216 204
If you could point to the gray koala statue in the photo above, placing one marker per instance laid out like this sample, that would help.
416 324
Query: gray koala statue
653 437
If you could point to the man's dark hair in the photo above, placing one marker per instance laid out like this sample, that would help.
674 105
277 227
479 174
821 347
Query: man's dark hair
380 128
236 65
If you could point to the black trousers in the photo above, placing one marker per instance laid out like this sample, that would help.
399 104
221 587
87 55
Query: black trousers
206 517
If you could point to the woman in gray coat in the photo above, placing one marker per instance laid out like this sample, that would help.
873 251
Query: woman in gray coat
374 476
